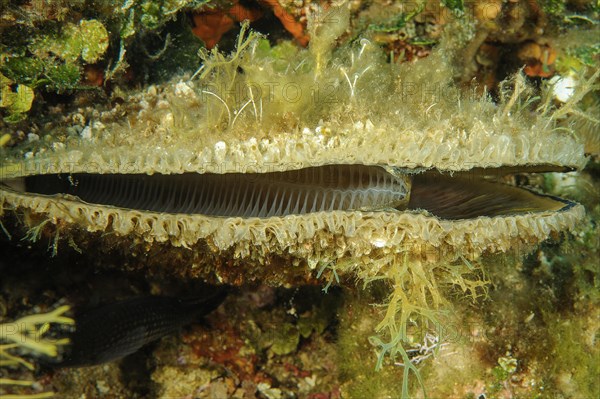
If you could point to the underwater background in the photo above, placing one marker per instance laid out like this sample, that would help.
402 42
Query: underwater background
514 324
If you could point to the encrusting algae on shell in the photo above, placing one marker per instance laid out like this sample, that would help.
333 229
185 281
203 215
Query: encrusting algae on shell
311 139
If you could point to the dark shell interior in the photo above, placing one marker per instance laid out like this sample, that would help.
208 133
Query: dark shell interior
315 189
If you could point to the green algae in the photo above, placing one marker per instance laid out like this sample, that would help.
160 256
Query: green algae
88 40
541 321
454 5
316 320
397 22
417 304
47 46
16 102
51 59
575 366
28 335
285 339
316 314
48 74
356 366
578 58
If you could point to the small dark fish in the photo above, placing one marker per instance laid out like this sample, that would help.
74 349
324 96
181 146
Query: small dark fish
115 330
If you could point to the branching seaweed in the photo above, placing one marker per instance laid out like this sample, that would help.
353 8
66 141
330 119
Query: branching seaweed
27 334
8 235
415 306
34 234
332 267
223 71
